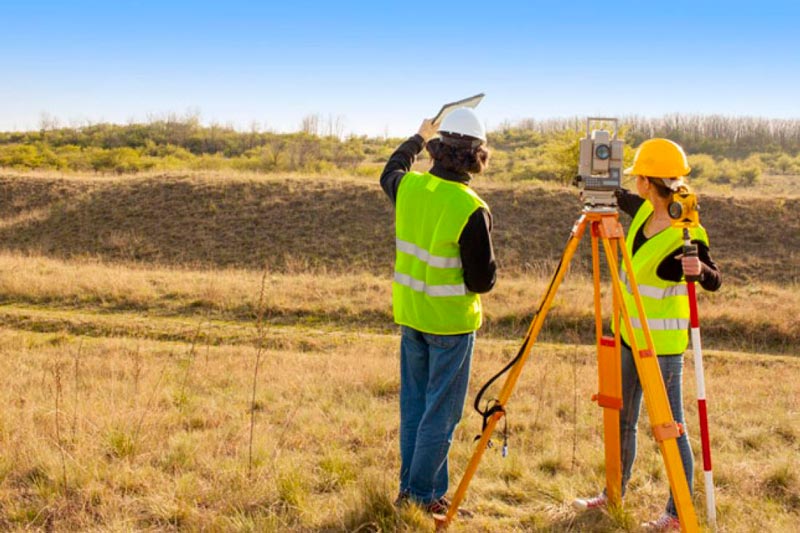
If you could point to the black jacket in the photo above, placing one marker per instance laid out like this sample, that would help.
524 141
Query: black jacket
670 268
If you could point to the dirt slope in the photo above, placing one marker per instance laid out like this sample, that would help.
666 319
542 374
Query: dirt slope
290 223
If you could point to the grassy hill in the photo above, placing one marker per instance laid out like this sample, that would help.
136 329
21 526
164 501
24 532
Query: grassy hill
289 223
144 394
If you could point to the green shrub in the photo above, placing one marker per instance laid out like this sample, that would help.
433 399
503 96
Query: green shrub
209 162
702 166
76 158
20 156
119 160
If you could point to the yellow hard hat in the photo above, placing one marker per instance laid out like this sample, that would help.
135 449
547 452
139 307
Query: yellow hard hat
659 158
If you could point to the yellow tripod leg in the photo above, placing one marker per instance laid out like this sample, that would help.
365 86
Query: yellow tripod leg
665 429
609 395
513 376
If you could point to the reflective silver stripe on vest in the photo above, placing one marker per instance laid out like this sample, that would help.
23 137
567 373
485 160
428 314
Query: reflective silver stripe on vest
662 324
430 290
424 255
655 292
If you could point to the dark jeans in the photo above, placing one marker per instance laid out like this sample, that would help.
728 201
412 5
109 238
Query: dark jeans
434 373
672 373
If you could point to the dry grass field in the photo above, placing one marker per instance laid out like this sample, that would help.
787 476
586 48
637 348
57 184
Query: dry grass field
129 403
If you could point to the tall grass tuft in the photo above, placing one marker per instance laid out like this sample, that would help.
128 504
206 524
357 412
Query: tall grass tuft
783 485
373 511
138 428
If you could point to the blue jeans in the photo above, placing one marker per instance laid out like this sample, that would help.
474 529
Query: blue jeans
672 373
434 373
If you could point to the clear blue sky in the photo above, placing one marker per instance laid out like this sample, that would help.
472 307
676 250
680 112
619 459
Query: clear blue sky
384 66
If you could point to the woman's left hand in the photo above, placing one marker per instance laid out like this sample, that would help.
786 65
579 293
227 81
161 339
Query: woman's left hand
691 266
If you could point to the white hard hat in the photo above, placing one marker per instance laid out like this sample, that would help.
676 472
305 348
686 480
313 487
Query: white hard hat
463 121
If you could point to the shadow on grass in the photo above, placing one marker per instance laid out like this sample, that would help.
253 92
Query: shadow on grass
374 511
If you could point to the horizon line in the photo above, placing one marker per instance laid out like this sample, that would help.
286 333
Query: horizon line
50 122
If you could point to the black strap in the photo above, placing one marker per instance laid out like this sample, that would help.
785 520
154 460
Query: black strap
493 406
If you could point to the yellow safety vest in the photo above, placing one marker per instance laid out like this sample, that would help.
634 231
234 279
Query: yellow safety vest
428 293
666 303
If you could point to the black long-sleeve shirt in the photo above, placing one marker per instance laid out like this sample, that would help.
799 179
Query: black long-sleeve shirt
670 268
475 242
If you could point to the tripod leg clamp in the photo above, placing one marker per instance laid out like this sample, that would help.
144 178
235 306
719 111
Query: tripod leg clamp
604 400
667 430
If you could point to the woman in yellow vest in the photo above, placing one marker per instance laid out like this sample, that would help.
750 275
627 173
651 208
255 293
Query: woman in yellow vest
444 258
659 268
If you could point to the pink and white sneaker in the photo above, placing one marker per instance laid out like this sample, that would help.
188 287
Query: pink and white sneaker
665 522
584 504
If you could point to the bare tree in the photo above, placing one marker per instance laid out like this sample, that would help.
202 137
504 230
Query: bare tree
335 126
310 124
48 122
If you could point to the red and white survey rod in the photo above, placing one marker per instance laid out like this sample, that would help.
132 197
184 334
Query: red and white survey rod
702 412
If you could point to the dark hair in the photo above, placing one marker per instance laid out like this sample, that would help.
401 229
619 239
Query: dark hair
459 154
662 190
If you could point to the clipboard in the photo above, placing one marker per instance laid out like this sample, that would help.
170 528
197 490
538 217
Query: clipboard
471 102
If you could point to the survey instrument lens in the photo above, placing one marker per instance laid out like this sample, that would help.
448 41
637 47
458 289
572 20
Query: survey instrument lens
675 210
602 152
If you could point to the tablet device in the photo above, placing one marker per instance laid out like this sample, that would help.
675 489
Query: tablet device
472 102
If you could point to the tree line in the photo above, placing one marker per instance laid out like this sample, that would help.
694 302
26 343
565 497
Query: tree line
714 135
723 149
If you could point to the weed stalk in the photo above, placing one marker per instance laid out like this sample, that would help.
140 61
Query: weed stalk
59 390
259 349
77 377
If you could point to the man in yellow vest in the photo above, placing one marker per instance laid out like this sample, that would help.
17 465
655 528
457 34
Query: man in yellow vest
444 258
655 248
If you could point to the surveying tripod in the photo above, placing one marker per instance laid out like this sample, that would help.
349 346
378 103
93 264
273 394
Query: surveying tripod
605 228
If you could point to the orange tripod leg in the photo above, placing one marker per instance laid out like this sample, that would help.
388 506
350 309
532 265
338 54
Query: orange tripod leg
665 430
514 373
609 395
606 227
